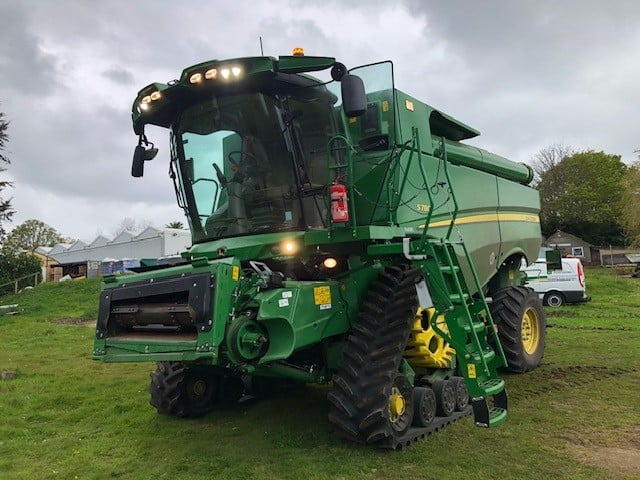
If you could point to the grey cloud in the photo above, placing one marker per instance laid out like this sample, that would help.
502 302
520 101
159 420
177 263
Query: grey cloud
543 44
528 76
280 37
24 66
119 75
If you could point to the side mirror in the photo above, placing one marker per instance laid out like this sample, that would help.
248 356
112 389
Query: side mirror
137 167
354 101
141 155
150 154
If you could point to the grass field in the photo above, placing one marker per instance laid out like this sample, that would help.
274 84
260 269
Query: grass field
67 417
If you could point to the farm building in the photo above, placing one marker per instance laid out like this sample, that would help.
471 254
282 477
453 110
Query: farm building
575 246
589 254
115 254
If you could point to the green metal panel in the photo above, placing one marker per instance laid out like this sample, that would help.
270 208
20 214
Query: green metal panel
208 342
245 247
413 113
300 314
519 220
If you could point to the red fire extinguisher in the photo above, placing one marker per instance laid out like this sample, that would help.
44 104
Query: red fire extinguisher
339 203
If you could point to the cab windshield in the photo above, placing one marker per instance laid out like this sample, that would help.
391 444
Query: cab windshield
255 162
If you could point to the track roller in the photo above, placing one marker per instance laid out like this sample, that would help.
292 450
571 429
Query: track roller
424 406
445 397
461 392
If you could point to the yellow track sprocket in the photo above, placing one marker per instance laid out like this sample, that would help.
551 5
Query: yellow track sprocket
425 347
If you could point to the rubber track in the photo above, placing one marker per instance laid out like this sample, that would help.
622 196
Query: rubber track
372 356
166 390
417 433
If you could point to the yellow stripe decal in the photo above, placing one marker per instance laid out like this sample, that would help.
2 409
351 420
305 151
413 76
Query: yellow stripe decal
488 217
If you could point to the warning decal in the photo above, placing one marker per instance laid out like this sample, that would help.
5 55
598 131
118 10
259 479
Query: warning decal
322 295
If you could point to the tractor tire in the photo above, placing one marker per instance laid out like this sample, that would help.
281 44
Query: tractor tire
445 397
553 299
180 391
462 393
518 314
371 401
424 406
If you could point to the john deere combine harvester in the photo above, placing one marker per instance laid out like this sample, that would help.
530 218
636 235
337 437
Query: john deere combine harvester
341 233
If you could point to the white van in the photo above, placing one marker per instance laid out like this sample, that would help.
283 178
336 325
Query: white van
557 287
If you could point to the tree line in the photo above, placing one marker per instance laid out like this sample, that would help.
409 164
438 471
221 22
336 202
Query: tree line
593 195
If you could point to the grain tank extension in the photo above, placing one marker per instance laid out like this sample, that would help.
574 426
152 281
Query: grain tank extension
342 234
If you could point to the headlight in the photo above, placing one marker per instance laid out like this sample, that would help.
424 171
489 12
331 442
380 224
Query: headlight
330 262
220 72
289 247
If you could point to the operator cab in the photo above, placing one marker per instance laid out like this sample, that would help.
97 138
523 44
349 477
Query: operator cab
255 163
253 147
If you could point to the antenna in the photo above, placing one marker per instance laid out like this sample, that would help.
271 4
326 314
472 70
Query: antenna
261 50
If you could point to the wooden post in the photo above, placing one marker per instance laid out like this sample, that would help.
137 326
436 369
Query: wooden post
611 254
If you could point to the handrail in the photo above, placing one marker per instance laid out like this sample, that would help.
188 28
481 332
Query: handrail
415 148
453 195
349 182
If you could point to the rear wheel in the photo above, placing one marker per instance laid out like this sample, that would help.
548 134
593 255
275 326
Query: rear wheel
521 323
181 391
554 299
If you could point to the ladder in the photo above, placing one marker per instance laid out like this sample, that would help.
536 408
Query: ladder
471 330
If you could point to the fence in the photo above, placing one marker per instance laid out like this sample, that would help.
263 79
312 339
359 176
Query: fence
20 283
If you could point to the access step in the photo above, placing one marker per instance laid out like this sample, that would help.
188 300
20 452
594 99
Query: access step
497 416
486 416
457 298
477 326
449 269
492 387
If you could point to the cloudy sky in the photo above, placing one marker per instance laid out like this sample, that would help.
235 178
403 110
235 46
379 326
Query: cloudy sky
527 74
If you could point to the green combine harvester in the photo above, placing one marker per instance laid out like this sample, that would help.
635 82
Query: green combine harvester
341 234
